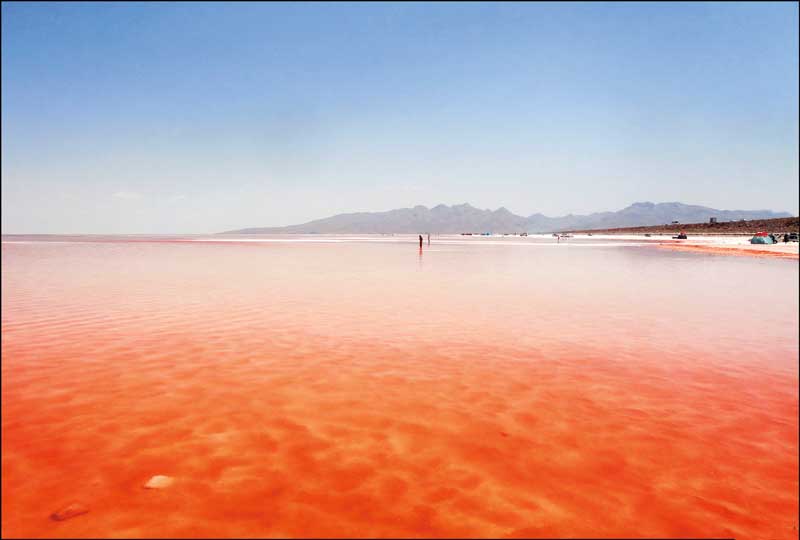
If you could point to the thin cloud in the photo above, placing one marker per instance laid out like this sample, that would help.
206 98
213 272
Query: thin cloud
126 195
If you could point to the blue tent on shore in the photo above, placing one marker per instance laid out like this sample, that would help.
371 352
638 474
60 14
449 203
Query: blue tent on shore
762 238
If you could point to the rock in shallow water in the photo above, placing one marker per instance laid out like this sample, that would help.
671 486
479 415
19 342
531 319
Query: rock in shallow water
158 482
69 511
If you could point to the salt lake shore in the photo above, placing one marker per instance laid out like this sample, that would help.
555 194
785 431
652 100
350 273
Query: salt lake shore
734 245
789 250
720 244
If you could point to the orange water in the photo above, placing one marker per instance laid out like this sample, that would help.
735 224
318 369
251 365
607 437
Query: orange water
358 388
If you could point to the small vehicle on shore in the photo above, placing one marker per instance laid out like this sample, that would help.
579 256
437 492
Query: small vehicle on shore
681 236
792 237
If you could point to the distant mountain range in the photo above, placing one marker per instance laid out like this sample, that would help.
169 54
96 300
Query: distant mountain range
465 218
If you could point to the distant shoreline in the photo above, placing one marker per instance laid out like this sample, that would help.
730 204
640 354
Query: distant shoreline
729 228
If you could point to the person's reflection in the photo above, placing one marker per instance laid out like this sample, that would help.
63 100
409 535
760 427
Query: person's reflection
420 256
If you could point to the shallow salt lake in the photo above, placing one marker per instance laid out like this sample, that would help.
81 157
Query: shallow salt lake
351 385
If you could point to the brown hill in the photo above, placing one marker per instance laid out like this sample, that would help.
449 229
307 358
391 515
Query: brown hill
777 225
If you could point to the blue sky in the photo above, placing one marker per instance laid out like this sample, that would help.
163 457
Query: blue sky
195 118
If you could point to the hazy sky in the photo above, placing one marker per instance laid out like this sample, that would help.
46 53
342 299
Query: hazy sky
137 118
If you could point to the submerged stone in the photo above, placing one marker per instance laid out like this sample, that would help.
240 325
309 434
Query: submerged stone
69 511
158 482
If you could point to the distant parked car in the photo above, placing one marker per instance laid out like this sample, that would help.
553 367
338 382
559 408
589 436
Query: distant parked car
793 237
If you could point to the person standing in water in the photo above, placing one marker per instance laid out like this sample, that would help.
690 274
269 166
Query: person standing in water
429 238
420 241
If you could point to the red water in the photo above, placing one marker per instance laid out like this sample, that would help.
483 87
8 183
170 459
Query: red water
298 389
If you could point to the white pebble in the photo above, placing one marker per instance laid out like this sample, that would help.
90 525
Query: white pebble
158 482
